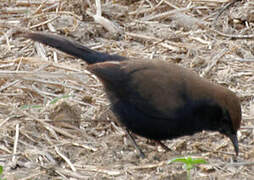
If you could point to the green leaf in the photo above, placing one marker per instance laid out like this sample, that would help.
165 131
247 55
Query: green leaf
183 160
198 161
189 162
1 169
58 98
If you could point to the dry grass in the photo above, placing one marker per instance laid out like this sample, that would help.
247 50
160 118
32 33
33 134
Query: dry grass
54 119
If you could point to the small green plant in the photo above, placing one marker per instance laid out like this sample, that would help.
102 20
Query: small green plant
1 172
189 163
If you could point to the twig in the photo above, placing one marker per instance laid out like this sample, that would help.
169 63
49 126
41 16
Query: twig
237 36
141 36
99 170
45 22
214 61
164 14
69 173
66 159
248 163
9 84
33 175
5 120
15 142
106 23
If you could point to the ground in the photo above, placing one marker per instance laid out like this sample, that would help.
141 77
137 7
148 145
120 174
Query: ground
55 121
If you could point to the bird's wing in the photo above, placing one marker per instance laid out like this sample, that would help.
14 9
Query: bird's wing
152 89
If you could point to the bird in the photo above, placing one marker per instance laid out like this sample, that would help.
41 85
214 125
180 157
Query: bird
156 99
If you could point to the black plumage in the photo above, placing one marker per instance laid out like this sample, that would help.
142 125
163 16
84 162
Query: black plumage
156 99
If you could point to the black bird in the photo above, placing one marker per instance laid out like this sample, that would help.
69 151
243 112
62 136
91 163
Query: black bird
156 99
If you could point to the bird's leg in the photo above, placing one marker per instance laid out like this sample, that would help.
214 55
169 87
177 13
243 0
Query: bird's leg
135 144
166 148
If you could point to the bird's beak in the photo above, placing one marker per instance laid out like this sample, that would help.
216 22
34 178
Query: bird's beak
234 140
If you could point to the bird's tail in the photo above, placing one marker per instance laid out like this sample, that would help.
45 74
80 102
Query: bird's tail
73 48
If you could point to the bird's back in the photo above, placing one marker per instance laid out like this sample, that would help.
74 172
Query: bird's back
154 99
